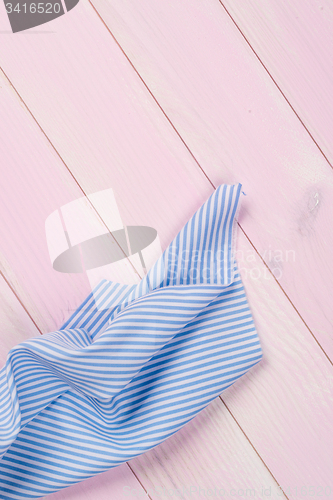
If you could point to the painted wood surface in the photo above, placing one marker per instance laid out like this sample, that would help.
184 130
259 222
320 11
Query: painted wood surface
107 485
31 188
237 124
42 205
294 41
191 465
167 177
104 129
284 405
16 325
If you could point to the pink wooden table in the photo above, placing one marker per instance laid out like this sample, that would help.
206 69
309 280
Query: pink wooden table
162 101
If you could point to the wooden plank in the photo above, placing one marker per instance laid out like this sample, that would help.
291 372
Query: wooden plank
104 486
83 123
284 405
294 41
112 481
286 402
238 125
16 325
102 150
32 187
118 130
227 468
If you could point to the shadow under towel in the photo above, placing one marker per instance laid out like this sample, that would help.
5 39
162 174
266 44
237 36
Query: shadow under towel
132 365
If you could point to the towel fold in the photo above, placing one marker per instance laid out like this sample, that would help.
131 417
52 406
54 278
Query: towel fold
132 365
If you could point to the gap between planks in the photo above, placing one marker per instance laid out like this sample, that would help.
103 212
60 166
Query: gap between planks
198 163
105 225
203 172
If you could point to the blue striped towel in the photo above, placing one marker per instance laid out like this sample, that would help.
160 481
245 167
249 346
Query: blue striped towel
132 365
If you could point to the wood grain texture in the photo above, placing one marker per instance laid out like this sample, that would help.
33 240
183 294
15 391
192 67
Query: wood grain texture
110 132
16 326
42 280
31 188
104 486
103 122
294 41
105 126
192 465
284 405
238 125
